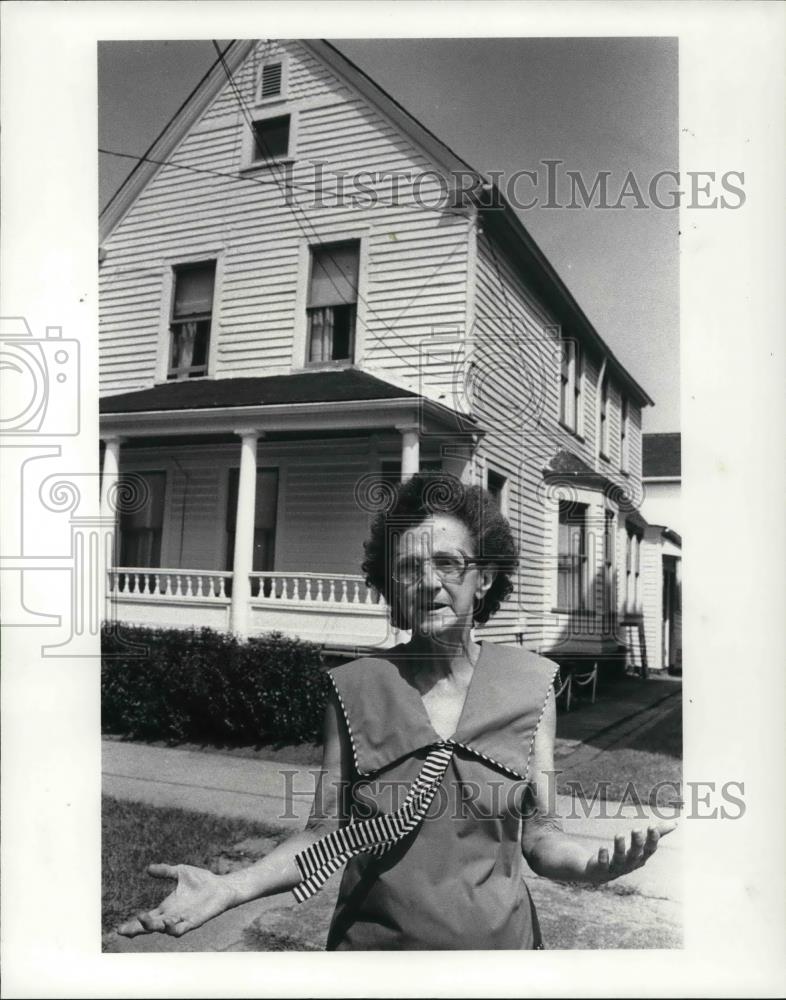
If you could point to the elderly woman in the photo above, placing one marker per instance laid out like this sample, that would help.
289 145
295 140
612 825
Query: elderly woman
437 758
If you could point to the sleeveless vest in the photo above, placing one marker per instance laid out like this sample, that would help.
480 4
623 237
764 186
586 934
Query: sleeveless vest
432 852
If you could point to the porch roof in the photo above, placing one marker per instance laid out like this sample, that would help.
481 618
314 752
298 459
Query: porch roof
344 397
563 464
265 390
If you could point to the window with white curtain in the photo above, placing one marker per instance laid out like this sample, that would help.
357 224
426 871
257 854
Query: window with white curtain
192 314
332 302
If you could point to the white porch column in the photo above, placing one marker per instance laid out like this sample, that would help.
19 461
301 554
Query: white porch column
108 512
410 450
244 532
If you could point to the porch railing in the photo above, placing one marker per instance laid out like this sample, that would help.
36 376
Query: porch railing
313 588
126 581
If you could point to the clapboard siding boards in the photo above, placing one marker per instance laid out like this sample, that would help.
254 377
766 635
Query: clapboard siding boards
652 598
440 310
314 477
416 273
515 344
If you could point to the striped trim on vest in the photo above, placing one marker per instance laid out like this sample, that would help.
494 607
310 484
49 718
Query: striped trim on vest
373 836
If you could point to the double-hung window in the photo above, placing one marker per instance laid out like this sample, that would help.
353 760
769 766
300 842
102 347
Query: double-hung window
192 314
572 563
604 417
142 523
496 484
624 435
570 398
332 302
609 594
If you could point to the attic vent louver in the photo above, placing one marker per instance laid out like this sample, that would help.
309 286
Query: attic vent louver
271 80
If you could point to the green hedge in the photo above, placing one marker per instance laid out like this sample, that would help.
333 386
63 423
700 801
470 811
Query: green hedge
206 686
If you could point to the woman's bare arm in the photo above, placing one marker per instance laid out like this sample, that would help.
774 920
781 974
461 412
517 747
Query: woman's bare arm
551 852
200 895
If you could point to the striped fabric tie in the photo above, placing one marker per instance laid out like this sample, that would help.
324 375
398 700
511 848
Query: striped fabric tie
372 836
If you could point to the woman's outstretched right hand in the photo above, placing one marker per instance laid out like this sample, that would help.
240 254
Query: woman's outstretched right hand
198 896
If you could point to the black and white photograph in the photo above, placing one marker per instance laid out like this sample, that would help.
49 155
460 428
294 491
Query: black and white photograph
355 420
347 529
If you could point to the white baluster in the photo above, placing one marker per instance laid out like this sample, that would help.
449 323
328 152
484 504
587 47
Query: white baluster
343 597
222 586
320 596
178 583
332 590
157 582
143 587
295 588
199 583
369 599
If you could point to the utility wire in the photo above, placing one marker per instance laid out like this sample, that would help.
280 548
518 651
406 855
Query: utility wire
313 236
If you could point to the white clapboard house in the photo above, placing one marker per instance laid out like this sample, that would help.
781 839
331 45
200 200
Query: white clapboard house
274 351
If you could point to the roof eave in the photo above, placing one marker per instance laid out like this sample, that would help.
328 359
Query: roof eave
170 136
283 416
548 281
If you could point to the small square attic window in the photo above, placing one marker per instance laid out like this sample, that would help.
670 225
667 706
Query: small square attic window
271 139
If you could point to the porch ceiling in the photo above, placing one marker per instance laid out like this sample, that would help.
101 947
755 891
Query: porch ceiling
342 399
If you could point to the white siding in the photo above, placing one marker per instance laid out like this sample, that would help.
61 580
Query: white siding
652 597
417 257
662 504
516 349
320 527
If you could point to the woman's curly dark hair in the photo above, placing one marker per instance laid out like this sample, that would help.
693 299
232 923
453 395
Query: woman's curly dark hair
413 501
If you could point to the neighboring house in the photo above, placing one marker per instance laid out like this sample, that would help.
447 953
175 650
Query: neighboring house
662 471
271 359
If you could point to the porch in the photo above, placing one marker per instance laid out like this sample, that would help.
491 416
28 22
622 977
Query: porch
257 522
334 610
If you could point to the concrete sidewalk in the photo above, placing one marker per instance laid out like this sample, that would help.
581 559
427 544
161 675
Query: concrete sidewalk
279 795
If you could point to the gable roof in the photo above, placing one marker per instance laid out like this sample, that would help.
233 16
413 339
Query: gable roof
500 221
660 456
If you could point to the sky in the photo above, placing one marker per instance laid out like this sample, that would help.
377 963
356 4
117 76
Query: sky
595 104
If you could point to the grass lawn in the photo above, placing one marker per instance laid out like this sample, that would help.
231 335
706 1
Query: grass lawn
630 769
612 916
133 835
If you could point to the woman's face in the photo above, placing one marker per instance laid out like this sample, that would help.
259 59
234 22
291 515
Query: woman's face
437 589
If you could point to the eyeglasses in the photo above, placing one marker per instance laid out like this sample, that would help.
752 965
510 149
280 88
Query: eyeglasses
447 566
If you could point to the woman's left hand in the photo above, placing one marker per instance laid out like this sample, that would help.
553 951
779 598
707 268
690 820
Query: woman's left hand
626 859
